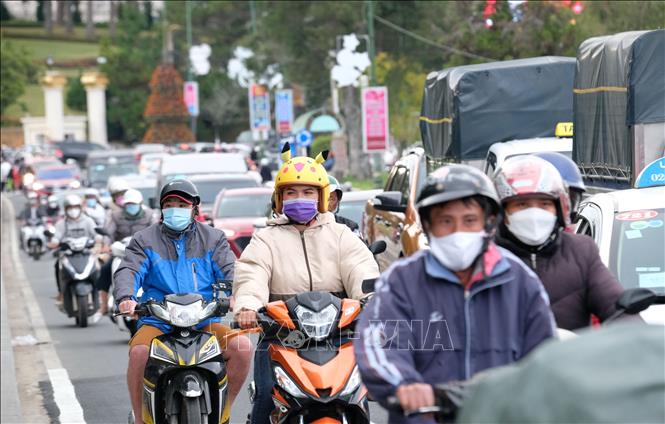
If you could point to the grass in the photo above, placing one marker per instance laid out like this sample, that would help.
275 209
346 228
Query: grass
61 51
58 32
33 99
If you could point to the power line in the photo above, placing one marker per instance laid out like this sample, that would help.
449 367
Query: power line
430 42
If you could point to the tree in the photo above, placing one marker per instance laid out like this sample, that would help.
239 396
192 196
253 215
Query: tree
89 23
17 70
224 103
76 96
48 16
4 12
130 61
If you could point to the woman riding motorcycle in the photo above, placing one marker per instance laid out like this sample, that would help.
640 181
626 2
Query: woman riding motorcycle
302 250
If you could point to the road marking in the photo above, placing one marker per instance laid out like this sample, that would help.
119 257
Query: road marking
63 390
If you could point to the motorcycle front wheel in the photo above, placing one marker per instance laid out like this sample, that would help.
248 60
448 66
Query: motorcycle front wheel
82 312
190 411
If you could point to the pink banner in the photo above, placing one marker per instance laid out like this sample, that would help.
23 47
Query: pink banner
375 118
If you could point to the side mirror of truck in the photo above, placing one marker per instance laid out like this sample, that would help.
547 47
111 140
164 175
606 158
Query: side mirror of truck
390 201
152 202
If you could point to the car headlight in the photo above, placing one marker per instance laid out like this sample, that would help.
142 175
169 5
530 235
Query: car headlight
316 325
287 384
184 315
75 184
37 186
210 349
160 351
353 383
228 232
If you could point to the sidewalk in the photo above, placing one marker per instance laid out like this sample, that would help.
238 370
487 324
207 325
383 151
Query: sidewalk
11 405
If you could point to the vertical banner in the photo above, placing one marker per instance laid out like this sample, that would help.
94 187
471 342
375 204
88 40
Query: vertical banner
259 111
284 111
375 119
191 96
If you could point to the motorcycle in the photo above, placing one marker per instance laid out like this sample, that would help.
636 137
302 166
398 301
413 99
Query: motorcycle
78 269
33 238
124 323
185 378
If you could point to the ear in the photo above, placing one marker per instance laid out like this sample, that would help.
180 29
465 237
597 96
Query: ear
321 157
286 152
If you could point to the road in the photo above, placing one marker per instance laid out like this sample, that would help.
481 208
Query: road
95 358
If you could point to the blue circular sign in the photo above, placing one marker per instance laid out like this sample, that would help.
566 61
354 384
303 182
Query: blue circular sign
304 138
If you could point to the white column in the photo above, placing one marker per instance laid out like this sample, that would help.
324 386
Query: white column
53 84
95 88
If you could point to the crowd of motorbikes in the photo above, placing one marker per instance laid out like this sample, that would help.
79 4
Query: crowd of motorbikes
311 351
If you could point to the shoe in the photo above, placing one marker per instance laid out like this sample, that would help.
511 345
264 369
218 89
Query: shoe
60 305
96 317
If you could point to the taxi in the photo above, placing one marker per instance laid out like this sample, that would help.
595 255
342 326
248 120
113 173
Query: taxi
629 228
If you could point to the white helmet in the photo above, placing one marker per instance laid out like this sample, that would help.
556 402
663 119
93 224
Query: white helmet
72 200
133 196
91 192
117 185
32 195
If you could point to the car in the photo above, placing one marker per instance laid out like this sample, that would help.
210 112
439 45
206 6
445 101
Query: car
150 163
77 150
52 179
627 225
102 165
498 153
236 212
353 204
143 148
143 183
392 216
209 185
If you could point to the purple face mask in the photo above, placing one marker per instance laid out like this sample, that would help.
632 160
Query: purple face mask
300 210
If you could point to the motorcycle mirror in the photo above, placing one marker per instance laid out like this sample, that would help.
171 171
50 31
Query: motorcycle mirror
634 301
377 247
368 285
102 231
48 234
223 285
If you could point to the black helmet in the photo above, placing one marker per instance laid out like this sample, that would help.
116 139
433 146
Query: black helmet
454 181
184 189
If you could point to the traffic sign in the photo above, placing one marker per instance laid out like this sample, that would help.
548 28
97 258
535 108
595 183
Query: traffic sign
259 108
304 138
284 111
191 96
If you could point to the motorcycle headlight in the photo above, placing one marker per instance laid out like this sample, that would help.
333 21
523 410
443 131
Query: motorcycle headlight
210 349
37 186
353 383
287 384
160 351
159 311
184 315
316 325
208 311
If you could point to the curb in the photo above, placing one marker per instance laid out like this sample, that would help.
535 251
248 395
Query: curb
11 402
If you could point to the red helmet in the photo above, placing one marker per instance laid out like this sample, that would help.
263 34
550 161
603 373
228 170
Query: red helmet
526 175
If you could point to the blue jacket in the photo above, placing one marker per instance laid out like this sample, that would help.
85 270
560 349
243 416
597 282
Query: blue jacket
163 262
422 326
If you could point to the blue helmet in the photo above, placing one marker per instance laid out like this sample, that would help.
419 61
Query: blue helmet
566 167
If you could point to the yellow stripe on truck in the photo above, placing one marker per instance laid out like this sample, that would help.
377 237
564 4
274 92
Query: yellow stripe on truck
600 89
437 121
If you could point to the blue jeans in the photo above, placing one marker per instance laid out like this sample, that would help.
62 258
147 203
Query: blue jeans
264 382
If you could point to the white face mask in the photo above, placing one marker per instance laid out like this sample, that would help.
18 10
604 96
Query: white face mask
74 213
532 226
457 251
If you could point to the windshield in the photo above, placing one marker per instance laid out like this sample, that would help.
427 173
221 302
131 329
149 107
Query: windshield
244 206
352 210
637 255
55 174
100 173
208 190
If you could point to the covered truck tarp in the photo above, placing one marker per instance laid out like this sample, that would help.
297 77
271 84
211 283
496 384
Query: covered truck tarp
612 375
466 109
619 84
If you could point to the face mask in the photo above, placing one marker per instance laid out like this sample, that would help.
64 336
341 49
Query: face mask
457 251
120 200
91 203
132 209
74 213
532 226
300 210
177 219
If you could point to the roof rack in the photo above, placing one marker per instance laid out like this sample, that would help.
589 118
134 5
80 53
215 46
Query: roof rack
604 173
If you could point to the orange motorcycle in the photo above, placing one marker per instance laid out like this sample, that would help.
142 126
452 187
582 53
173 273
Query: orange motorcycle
311 354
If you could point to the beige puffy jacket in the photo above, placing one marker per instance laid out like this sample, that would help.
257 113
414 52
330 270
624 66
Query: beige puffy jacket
280 262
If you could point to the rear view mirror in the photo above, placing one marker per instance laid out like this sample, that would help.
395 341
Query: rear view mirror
634 301
152 203
390 201
368 285
377 247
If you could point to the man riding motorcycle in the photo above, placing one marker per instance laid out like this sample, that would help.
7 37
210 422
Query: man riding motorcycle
177 255
93 207
537 210
302 249
133 217
33 211
75 224
449 312
53 208
333 205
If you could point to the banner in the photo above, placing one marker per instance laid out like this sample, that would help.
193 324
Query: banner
284 111
191 97
375 119
259 108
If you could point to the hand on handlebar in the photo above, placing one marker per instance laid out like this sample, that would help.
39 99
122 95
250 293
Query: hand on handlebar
414 396
246 318
127 308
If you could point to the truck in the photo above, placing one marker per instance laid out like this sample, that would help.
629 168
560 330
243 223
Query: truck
466 109
619 107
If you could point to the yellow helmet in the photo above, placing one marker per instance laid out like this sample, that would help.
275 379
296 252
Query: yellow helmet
302 170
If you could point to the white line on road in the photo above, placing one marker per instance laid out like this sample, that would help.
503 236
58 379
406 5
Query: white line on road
63 390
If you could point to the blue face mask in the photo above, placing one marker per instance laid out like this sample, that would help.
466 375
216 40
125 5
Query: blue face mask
177 219
132 209
91 203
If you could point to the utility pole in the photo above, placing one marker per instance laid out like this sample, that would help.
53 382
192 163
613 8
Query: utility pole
370 31
252 11
188 9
